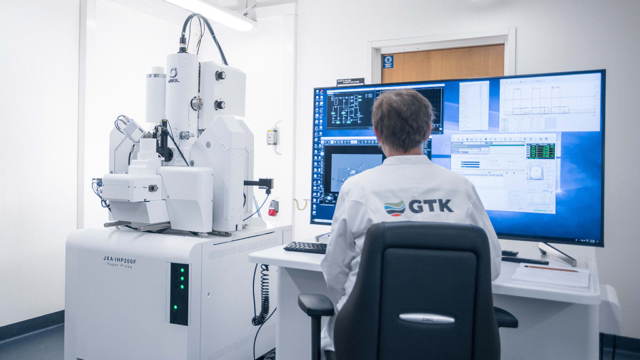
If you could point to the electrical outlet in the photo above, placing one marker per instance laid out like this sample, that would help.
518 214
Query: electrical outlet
272 137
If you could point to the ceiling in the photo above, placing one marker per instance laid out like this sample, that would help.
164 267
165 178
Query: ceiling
236 5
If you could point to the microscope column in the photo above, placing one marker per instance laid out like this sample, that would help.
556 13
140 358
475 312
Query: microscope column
156 95
182 88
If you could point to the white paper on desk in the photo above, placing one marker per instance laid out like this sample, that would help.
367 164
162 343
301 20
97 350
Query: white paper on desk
579 278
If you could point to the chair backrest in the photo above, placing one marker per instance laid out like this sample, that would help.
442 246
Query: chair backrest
417 268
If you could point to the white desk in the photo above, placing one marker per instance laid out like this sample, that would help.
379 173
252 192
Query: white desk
554 322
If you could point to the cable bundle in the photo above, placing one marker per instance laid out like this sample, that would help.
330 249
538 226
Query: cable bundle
264 291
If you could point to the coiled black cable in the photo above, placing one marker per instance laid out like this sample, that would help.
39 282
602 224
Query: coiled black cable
259 319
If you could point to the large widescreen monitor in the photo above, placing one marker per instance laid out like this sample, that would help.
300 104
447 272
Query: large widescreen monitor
533 146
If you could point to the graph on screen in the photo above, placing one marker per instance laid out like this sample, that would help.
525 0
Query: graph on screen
556 103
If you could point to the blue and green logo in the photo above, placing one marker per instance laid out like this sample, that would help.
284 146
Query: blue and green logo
394 209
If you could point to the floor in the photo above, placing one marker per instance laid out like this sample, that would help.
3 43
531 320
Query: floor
46 344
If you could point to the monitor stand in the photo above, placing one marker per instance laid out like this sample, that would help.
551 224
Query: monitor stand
323 237
545 249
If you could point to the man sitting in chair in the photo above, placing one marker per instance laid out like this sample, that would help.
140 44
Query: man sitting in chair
406 187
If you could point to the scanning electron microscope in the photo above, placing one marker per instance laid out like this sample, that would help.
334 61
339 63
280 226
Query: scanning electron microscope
169 277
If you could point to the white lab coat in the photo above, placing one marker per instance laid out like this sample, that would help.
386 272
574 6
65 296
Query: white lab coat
375 195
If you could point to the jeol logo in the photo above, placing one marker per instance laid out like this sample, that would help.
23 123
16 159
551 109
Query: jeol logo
173 73
394 209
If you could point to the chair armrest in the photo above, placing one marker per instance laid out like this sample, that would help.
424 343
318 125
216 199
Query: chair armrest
315 304
505 319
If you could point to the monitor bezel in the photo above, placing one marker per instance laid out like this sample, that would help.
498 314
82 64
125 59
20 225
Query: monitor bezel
507 236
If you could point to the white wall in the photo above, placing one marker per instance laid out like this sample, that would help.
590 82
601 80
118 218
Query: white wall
39 114
126 44
551 36
131 37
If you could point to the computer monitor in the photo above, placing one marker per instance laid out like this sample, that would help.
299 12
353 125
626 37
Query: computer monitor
533 146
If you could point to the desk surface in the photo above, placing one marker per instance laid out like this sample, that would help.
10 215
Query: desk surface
503 285
277 256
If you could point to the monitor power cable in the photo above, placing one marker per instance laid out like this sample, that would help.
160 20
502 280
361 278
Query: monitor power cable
298 205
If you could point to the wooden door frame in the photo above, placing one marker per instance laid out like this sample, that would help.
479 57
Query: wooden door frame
504 36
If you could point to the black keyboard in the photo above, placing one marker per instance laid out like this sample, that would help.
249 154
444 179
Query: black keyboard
316 248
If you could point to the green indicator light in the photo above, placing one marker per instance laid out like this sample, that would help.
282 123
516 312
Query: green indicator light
181 286
182 269
175 307
182 278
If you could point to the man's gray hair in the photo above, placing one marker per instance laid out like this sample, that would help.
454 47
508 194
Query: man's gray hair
402 118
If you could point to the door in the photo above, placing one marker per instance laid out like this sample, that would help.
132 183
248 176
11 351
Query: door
458 63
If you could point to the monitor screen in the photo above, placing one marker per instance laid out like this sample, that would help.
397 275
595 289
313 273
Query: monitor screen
532 145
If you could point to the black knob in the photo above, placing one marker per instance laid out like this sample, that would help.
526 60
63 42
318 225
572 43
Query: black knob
219 105
221 75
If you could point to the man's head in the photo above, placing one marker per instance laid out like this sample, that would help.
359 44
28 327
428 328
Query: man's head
402 121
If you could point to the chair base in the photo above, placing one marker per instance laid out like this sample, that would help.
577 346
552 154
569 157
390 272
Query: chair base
330 355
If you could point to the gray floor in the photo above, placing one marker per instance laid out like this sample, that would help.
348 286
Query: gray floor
47 344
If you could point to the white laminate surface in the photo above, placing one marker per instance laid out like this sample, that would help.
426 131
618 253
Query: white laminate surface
277 256
504 285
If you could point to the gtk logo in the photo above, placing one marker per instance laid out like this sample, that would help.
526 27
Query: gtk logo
416 206
394 209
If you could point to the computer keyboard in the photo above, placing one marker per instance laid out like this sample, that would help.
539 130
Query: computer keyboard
316 248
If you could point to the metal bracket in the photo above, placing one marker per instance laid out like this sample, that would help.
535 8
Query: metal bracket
267 184
546 249
158 226
318 237
116 223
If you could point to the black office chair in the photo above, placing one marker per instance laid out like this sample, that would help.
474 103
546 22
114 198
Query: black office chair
423 292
